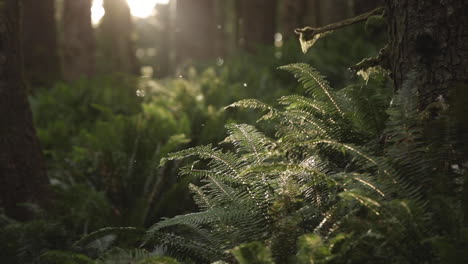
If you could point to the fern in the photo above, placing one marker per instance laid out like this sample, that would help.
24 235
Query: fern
313 82
332 168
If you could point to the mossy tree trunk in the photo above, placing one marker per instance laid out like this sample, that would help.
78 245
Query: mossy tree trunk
40 48
117 50
22 171
78 43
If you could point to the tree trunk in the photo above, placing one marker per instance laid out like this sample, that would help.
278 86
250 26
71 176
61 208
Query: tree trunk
78 44
312 17
292 15
429 52
362 6
22 173
196 27
429 45
117 49
257 23
220 32
41 59
332 11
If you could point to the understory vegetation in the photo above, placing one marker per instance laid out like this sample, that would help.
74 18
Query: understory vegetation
242 162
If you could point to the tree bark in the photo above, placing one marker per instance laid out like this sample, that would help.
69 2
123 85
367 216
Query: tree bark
429 45
116 35
78 43
257 23
41 59
22 172
196 27
429 52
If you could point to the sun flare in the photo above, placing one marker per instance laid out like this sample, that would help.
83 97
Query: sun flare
139 8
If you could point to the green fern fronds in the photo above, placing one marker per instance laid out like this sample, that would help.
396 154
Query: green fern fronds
313 82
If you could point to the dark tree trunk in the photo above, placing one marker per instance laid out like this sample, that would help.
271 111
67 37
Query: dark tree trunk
41 59
332 11
22 173
257 23
196 27
117 49
78 44
362 6
429 45
312 17
292 15
429 52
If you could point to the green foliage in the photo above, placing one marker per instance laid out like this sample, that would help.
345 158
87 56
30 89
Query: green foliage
269 189
252 253
63 257
136 256
325 172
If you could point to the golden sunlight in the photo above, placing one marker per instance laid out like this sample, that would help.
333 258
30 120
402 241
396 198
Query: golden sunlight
139 8
144 8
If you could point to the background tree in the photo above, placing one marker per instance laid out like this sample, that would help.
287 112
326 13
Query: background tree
22 172
117 49
291 16
41 59
429 52
196 27
362 6
78 43
256 23
424 51
331 11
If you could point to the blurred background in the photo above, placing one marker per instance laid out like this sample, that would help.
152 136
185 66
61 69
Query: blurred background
66 39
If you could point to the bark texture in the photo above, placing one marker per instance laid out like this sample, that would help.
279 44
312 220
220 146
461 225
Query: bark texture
196 29
116 35
40 48
429 45
78 43
22 173
429 52
257 23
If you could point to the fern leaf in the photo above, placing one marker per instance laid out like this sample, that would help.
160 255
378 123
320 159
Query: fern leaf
313 82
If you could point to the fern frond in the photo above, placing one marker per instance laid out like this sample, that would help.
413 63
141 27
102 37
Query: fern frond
249 141
199 197
369 203
224 162
103 232
305 103
313 82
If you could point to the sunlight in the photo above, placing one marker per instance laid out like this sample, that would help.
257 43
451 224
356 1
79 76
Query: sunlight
139 8
97 11
144 8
